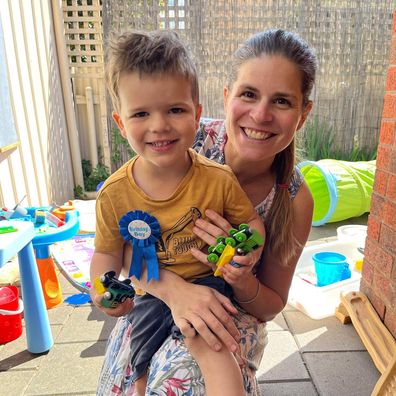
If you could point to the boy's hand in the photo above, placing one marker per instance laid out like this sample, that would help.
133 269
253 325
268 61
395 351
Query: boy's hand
121 310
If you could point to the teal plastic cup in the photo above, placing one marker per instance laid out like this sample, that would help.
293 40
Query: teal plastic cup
330 267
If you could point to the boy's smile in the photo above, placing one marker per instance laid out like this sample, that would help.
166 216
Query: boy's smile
159 119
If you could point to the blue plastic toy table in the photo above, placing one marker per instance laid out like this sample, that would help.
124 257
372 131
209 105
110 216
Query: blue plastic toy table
46 267
38 331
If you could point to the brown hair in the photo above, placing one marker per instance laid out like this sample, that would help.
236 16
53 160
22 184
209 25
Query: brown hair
279 220
147 53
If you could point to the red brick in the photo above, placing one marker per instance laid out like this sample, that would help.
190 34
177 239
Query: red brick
390 320
380 259
394 23
392 165
392 55
388 131
391 79
377 203
388 239
366 289
389 106
380 181
390 214
367 271
383 157
383 288
391 190
378 304
373 227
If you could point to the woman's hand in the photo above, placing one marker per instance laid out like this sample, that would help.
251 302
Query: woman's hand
209 231
234 274
197 308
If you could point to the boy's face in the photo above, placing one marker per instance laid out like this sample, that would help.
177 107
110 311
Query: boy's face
158 117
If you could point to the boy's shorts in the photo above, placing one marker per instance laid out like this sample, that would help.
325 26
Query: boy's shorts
152 323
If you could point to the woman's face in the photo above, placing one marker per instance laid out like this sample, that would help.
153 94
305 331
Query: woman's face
264 108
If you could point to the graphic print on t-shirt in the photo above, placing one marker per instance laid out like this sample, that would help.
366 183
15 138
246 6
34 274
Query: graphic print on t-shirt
177 239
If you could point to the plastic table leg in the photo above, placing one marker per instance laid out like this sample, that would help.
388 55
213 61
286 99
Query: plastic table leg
38 330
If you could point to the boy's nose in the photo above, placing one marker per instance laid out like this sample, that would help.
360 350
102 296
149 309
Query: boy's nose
159 124
261 113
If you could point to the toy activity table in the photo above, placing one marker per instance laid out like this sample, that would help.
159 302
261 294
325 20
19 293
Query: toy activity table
45 264
38 331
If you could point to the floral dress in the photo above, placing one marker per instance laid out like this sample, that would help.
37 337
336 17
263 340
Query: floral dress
173 371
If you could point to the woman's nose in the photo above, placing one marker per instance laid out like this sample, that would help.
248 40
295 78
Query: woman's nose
261 113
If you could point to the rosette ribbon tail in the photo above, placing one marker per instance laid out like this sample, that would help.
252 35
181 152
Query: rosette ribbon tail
142 230
136 267
151 263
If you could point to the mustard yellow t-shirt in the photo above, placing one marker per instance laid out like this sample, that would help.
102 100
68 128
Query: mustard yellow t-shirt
207 185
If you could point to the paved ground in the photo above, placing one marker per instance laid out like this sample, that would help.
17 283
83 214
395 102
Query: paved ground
304 356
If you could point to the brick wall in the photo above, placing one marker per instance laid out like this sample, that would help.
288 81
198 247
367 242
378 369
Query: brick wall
379 268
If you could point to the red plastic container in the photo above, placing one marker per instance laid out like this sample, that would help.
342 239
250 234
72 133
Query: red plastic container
10 314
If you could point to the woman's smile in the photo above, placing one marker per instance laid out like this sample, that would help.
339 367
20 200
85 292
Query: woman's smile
256 134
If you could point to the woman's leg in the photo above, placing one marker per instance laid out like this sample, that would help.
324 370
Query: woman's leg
115 377
220 370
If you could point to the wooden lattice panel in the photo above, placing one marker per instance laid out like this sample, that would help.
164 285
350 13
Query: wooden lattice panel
83 33
172 15
84 46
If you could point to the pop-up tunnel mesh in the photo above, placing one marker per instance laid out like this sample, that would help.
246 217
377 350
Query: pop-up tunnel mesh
340 189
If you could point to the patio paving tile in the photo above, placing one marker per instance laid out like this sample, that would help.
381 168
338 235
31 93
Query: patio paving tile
78 373
281 360
327 334
290 388
342 373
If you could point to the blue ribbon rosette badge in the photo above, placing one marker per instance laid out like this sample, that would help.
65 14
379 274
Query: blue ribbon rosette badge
142 230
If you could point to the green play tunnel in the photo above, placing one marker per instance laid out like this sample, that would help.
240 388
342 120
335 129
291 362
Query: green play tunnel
340 189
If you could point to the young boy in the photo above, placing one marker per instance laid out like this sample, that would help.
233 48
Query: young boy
154 89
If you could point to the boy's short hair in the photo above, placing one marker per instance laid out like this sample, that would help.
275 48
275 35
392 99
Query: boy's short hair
147 53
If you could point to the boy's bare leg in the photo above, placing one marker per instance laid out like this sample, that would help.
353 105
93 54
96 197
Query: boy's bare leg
221 372
140 385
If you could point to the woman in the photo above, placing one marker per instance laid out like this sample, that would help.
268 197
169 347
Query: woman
266 102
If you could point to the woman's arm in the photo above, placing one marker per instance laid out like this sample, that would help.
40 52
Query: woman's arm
267 298
193 307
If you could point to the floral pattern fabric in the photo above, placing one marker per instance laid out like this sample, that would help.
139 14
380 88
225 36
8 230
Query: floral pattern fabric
173 371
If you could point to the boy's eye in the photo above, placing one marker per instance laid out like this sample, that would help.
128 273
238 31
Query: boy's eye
140 114
176 110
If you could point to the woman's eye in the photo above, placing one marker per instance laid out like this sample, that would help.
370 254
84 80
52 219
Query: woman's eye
176 110
282 101
248 94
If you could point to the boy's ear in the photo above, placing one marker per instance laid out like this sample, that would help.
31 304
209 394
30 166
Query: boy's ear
305 114
118 121
198 112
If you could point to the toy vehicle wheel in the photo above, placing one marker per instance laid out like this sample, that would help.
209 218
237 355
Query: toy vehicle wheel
233 231
213 258
104 280
230 241
211 248
240 237
243 226
220 239
219 248
107 295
